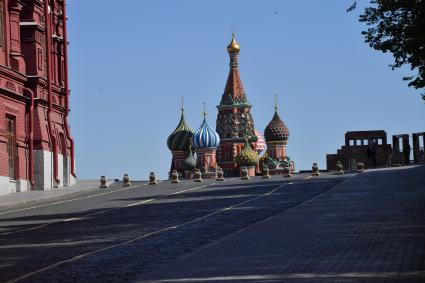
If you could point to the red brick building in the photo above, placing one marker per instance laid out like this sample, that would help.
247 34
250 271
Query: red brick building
36 147
369 147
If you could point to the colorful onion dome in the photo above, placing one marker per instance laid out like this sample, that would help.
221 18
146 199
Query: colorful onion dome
247 156
205 136
190 162
276 130
179 140
260 144
233 46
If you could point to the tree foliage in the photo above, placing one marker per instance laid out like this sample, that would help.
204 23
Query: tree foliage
398 26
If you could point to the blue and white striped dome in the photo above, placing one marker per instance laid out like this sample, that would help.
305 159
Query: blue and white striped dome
205 137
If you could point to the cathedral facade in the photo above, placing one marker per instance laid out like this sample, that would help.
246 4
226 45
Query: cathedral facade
235 143
36 146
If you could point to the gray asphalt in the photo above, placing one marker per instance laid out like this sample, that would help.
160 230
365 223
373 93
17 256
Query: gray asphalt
120 234
370 228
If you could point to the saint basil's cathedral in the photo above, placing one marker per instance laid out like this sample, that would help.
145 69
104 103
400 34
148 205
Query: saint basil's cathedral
234 143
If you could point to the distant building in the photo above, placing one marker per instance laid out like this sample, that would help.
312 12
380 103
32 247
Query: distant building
36 147
418 141
179 143
234 119
193 150
205 141
235 143
403 150
369 147
276 134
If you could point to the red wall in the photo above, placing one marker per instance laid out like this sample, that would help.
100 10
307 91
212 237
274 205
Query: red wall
26 67
16 109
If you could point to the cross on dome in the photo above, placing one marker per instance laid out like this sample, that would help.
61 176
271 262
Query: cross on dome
275 103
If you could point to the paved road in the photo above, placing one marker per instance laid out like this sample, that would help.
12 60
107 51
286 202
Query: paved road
14 199
120 234
370 228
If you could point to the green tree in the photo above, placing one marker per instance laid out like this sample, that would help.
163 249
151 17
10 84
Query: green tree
398 27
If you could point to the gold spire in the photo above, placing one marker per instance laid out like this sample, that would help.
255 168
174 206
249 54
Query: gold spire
233 47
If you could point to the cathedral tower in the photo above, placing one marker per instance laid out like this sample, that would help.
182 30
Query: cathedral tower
179 144
205 141
234 120
276 134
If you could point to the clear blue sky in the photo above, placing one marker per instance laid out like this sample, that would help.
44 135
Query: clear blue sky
131 61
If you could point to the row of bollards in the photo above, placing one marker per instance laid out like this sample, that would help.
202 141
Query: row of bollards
219 174
265 173
340 167
197 177
104 182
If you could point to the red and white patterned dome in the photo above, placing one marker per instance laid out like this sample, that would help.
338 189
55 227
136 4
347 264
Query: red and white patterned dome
260 144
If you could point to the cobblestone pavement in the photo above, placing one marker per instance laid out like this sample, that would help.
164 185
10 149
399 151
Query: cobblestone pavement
119 234
370 228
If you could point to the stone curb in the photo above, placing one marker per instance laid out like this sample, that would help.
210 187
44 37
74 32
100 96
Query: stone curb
52 197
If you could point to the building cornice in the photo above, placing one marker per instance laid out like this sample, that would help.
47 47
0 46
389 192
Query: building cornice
14 95
12 74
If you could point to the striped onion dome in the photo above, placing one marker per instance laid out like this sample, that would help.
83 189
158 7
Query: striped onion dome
190 162
205 136
179 140
260 144
276 130
247 156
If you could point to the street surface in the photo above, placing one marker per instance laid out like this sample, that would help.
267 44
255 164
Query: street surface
119 233
370 228
304 229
